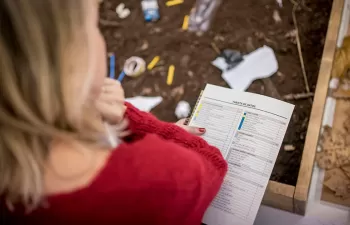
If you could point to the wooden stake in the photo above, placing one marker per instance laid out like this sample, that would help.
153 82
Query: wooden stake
299 45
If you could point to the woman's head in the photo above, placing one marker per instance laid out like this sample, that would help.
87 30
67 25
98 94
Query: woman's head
52 66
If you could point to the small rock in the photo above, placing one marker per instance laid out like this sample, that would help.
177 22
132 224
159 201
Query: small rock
177 92
117 35
190 73
280 3
144 46
156 88
259 35
219 38
185 60
276 16
289 148
280 74
156 30
291 34
146 91
249 44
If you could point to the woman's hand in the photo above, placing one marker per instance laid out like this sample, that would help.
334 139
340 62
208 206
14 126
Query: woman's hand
193 130
111 102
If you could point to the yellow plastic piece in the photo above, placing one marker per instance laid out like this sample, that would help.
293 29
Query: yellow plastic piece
153 63
171 73
174 2
185 23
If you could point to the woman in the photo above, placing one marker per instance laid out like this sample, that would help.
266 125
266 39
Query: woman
56 164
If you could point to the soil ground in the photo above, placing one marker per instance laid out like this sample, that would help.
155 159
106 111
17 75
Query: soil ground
241 25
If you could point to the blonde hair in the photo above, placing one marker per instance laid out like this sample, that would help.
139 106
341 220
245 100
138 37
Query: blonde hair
45 77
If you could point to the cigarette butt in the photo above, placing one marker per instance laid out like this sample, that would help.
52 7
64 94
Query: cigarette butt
170 77
185 23
174 2
153 63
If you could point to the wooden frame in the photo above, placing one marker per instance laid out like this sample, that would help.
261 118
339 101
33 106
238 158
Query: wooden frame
294 198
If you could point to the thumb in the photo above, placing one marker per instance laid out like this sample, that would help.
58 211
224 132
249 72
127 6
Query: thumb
195 130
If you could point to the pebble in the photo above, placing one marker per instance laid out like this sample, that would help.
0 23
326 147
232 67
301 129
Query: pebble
276 16
289 148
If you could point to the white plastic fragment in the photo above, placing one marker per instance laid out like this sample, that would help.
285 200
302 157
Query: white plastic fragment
261 63
145 104
182 110
120 8
125 13
121 11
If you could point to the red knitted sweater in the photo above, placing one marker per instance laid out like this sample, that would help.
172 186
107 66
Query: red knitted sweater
161 175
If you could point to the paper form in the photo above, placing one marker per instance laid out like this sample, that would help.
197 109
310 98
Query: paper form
249 130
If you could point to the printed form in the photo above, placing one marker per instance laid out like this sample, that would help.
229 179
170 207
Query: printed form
249 130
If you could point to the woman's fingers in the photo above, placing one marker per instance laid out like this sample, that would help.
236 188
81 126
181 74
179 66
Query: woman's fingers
181 122
112 113
111 99
109 81
122 128
193 130
113 89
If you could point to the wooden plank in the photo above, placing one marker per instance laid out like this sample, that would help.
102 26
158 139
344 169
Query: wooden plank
307 162
279 196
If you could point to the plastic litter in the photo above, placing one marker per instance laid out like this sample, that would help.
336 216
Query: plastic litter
134 66
171 73
174 2
145 104
183 110
121 11
153 63
231 57
150 10
261 63
203 14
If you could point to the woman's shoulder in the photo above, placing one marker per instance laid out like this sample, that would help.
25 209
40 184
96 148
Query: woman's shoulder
150 160
152 157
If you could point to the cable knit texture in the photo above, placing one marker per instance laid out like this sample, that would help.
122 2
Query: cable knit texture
161 175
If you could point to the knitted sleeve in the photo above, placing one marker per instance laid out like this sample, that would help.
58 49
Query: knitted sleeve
141 123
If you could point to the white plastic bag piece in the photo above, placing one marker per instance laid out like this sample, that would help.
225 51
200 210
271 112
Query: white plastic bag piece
145 104
182 110
261 63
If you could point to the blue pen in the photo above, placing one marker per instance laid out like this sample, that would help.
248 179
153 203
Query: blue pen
112 66
121 76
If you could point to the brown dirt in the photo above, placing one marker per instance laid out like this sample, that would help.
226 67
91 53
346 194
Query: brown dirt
242 25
